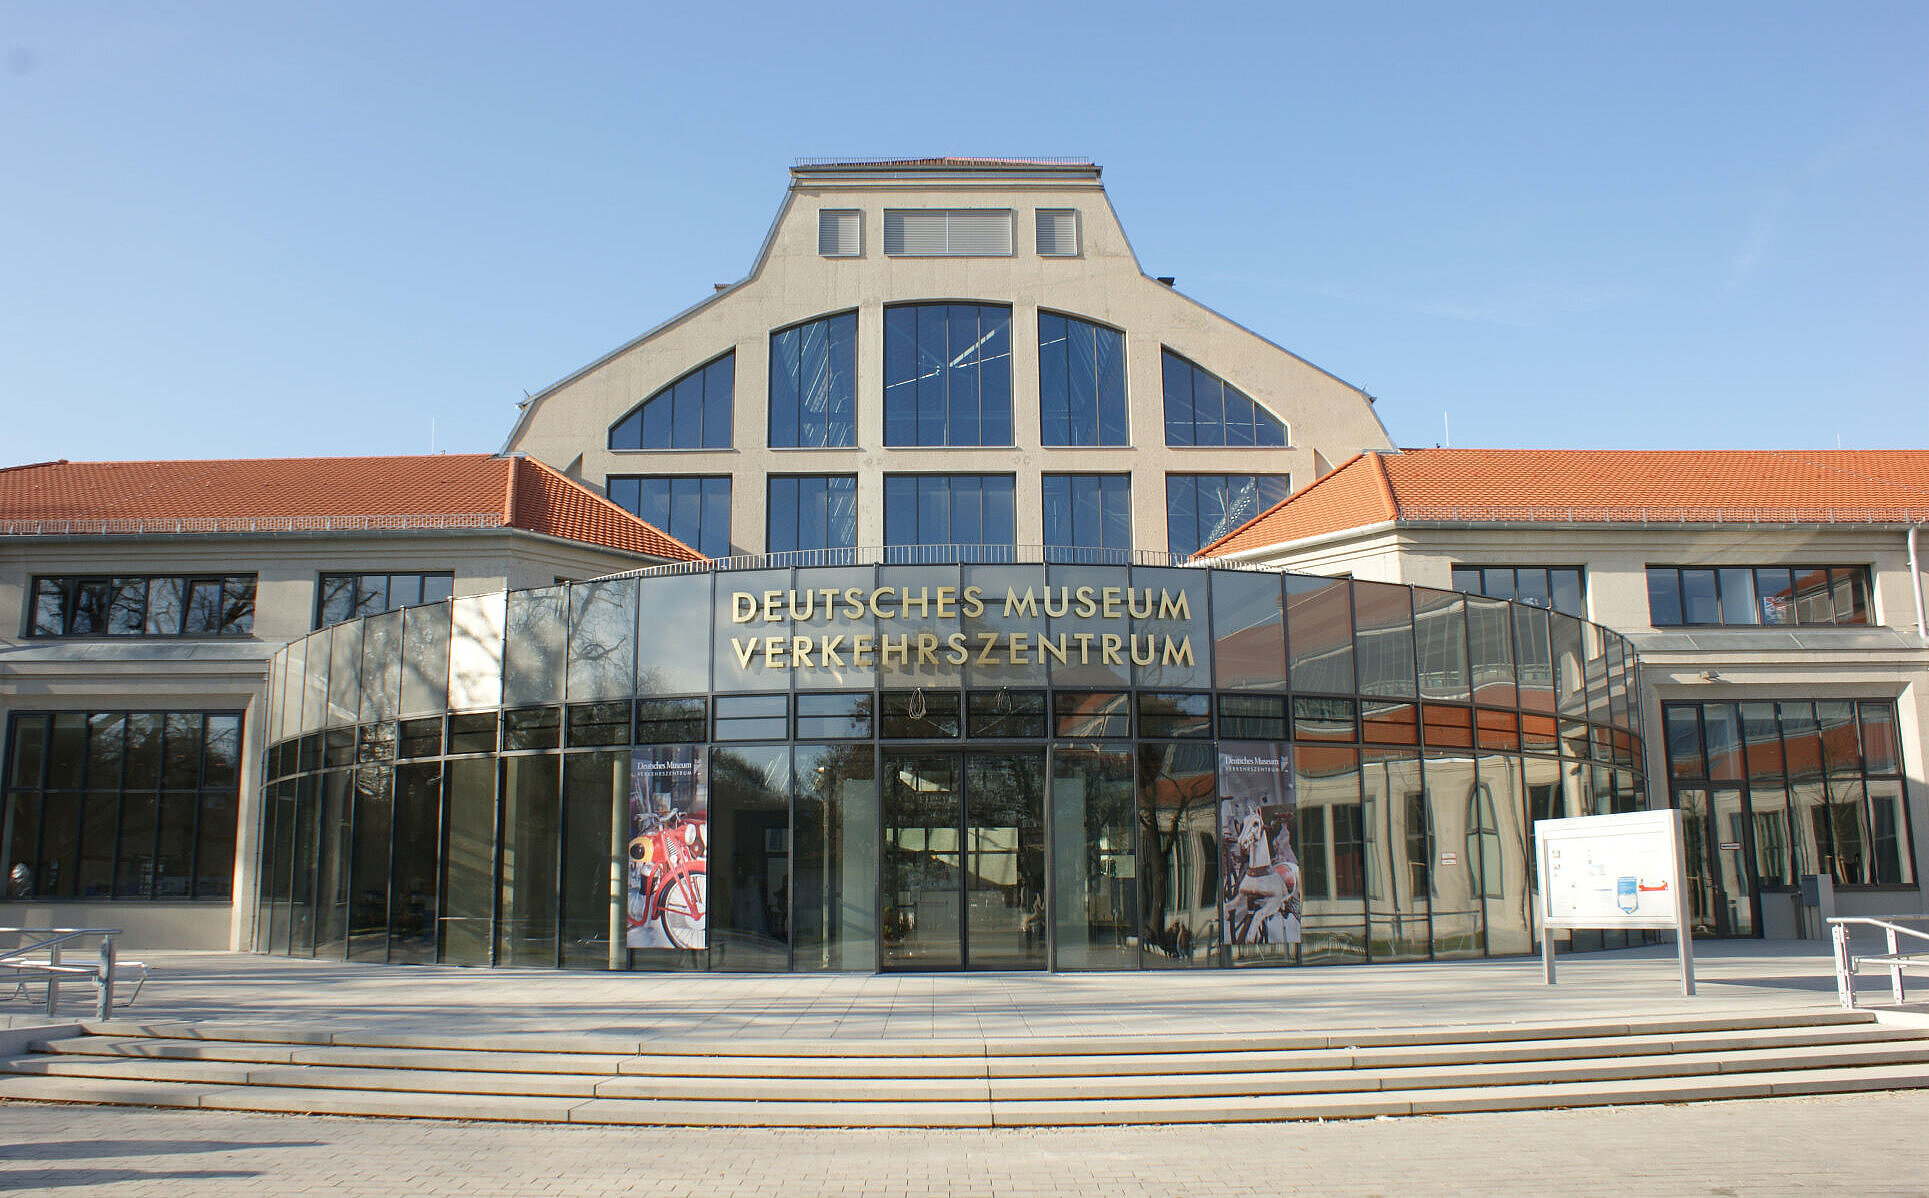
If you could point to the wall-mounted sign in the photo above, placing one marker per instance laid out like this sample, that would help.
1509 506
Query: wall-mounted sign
824 609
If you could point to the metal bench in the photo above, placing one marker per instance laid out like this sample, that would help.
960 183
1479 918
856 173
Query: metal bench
1895 960
36 957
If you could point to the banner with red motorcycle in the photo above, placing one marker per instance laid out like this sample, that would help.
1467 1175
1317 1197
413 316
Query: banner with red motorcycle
669 882
1258 867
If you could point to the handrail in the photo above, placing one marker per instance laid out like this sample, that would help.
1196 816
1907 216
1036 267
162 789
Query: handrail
1895 958
50 941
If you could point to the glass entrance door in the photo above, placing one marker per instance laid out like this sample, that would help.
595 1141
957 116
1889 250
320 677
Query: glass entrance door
964 860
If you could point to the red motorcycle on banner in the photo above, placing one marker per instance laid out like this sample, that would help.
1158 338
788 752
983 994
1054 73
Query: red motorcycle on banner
670 880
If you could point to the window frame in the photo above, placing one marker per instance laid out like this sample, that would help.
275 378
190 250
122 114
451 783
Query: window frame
230 590
1859 578
389 604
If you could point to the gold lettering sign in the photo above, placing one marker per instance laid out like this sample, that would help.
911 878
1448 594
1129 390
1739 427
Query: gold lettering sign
863 649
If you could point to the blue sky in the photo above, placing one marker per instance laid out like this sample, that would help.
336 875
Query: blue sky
248 229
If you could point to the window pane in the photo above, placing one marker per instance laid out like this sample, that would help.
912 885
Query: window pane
1738 596
1699 603
693 412
1664 596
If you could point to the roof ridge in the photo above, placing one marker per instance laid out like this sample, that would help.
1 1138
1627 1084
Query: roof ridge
1386 485
35 465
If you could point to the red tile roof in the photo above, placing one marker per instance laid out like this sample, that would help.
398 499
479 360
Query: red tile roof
1599 486
320 494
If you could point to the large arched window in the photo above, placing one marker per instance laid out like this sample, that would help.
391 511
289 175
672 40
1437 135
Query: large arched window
947 374
691 413
1203 409
813 383
1081 382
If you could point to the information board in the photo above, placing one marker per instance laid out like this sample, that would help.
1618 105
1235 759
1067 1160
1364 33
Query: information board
1611 871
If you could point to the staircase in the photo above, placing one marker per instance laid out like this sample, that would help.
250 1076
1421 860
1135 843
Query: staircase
970 1083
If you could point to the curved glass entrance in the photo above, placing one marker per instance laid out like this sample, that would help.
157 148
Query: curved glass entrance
964 860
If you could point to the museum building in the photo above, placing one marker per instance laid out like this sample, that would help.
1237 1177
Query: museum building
907 604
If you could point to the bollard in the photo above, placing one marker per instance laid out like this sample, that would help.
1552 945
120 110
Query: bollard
106 1003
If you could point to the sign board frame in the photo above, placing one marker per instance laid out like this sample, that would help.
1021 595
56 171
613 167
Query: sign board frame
1635 853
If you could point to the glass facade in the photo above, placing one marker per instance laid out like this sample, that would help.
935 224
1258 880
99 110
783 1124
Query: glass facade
1201 508
947 374
956 765
692 413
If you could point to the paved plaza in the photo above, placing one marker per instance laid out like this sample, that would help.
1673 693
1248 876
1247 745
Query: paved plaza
1859 1145
1732 976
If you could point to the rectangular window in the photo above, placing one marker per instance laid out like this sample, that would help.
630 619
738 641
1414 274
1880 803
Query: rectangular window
133 805
1058 232
811 511
1807 596
948 232
947 374
1556 587
691 508
143 606
346 596
840 233
971 513
1088 517
1813 793
1201 508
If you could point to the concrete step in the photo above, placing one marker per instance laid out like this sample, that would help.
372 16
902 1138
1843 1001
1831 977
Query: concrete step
1151 1064
924 1049
778 1088
1011 1113
873 1084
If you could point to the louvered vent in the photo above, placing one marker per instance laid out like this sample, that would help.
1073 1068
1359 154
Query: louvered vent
1058 232
948 232
839 234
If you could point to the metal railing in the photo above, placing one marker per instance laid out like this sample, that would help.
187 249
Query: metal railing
36 957
1895 960
941 555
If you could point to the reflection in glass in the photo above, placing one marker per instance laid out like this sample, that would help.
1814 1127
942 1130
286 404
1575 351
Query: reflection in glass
469 896
1094 872
750 859
1464 829
425 660
833 891
1178 855
418 828
475 651
922 883
1399 880
593 823
369 870
602 640
1005 861
531 845
676 665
